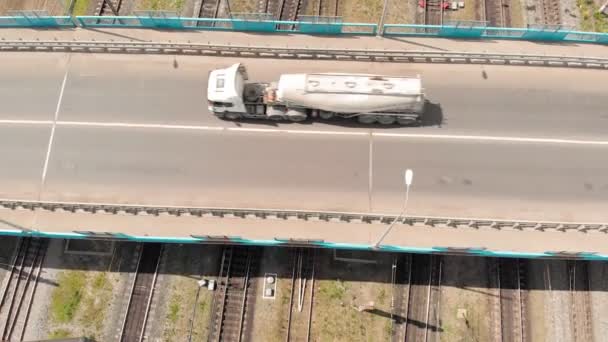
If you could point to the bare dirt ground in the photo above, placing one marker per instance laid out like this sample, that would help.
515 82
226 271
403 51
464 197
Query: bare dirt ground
75 295
538 322
341 287
465 308
53 7
558 302
270 315
598 285
182 308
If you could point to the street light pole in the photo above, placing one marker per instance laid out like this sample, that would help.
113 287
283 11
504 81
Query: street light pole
380 31
409 174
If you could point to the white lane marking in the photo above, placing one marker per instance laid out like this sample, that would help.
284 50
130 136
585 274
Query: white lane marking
55 119
495 138
312 132
26 122
138 125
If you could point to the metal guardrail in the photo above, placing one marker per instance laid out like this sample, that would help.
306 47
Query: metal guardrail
276 214
401 56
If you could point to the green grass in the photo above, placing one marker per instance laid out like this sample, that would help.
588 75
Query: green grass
165 5
334 290
81 7
382 297
173 313
66 298
591 20
95 303
60 333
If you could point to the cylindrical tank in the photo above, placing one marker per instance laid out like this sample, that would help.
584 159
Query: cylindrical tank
348 93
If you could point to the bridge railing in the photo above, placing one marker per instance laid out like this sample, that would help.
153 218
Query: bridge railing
268 26
485 32
308 25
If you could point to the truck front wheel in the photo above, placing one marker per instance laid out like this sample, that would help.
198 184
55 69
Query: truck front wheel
232 115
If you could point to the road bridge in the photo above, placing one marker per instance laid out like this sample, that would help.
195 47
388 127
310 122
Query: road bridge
499 142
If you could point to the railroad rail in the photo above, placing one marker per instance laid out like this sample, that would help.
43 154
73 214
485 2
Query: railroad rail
498 13
551 12
433 12
142 292
20 287
417 328
208 9
234 297
582 319
276 214
400 278
433 319
512 313
328 8
299 319
108 7
365 55
494 298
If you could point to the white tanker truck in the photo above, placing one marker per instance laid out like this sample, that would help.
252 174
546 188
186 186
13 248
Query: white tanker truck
296 97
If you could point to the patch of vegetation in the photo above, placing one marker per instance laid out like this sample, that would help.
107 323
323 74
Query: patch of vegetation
173 313
67 296
162 5
381 297
591 19
95 303
81 7
334 290
60 333
202 305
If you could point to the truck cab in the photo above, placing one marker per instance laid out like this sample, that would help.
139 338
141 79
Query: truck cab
225 89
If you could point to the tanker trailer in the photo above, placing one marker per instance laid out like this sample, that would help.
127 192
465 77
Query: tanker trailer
296 97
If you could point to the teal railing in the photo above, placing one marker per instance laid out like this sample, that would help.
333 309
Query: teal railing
451 30
319 244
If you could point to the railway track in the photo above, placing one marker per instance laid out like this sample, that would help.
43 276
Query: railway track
434 311
422 320
401 276
20 287
551 12
301 298
581 303
433 12
511 311
328 8
498 13
208 9
134 324
108 7
235 295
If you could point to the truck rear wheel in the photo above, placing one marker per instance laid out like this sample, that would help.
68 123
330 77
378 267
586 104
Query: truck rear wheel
405 121
326 115
386 119
366 119
296 115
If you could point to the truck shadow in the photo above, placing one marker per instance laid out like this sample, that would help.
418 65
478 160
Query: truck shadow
432 116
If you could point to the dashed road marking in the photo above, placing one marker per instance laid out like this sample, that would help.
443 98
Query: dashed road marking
54 122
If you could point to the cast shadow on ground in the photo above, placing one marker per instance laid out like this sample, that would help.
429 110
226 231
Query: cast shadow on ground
432 116
468 273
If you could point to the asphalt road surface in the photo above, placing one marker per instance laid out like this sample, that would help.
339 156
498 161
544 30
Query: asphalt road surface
498 141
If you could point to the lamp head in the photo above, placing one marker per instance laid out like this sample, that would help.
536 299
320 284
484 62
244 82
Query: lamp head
409 174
